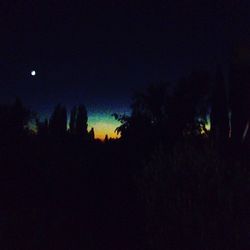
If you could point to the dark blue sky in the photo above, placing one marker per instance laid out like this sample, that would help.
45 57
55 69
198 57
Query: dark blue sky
98 52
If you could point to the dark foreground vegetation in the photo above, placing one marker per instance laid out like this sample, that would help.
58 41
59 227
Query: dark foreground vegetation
167 183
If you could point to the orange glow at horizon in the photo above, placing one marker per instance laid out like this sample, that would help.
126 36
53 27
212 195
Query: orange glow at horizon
103 124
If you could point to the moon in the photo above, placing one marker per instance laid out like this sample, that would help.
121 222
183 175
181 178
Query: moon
33 72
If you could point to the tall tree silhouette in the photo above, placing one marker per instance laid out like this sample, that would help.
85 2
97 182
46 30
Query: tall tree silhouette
240 92
188 106
72 121
19 116
92 134
58 121
81 122
219 110
14 118
151 103
106 138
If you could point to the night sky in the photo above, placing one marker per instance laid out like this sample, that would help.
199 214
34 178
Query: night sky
98 52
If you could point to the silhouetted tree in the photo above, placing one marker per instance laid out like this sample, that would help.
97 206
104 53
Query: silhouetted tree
58 121
72 121
14 118
92 134
5 119
147 120
219 110
240 93
151 103
159 115
123 129
106 139
81 122
19 116
188 107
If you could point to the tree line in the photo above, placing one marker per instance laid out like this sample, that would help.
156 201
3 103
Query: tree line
161 113
17 120
167 114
